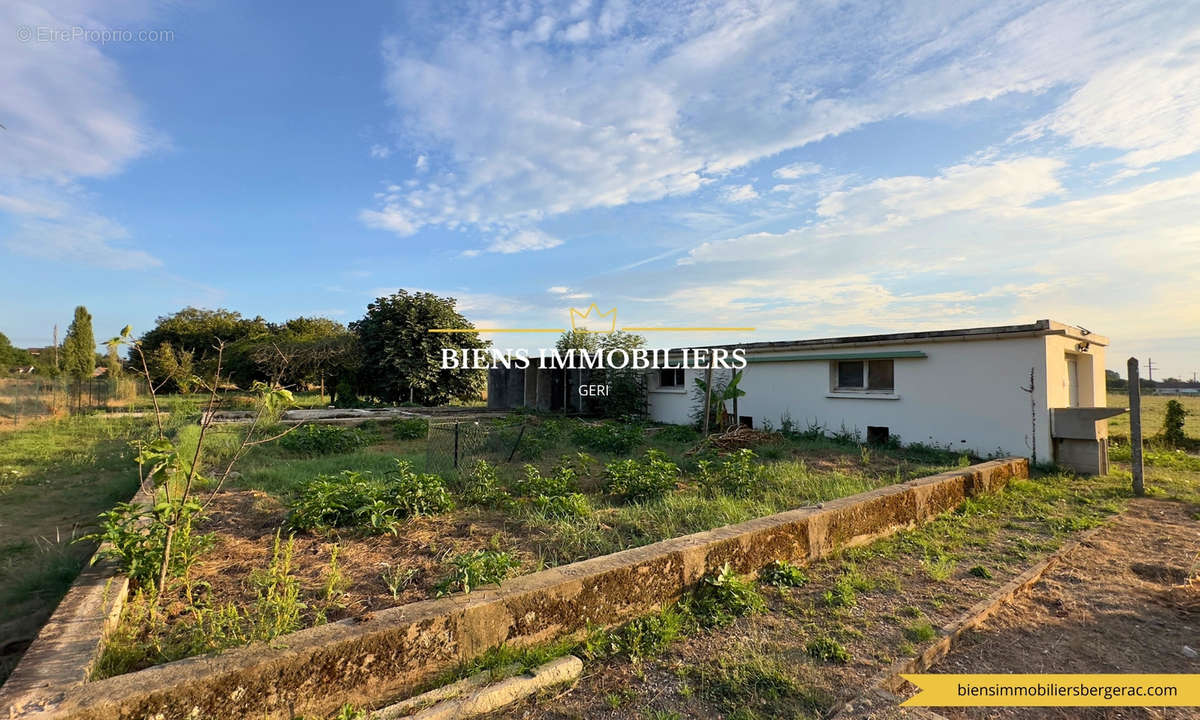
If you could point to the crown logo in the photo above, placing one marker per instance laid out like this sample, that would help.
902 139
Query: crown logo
578 319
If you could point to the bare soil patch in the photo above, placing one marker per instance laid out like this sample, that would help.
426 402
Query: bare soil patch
1127 601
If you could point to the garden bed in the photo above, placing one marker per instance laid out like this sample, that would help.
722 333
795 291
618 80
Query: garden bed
529 517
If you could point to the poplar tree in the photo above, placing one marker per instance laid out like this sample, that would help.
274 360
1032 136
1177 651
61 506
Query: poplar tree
79 347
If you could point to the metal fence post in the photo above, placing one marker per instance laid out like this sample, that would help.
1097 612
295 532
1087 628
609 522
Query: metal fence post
1135 427
455 446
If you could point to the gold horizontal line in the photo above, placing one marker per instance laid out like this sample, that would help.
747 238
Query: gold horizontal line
688 329
487 330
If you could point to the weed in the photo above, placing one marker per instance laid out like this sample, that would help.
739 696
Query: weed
277 607
826 649
683 434
782 574
480 567
919 632
410 428
980 571
373 504
563 507
608 437
481 486
738 475
336 584
753 684
397 579
316 439
723 597
938 567
531 482
633 480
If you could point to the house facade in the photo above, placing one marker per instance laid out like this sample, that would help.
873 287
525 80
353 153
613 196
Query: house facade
966 389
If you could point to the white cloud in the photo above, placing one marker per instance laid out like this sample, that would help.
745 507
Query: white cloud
740 193
559 290
524 241
1148 106
380 151
796 170
659 102
68 116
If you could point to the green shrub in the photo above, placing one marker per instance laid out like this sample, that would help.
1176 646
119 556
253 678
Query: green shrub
649 635
134 537
1172 432
531 482
563 507
324 440
723 597
481 486
920 631
737 475
783 574
410 428
608 437
684 434
481 567
634 480
364 501
826 649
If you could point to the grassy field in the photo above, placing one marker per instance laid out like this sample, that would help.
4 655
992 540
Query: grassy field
1154 409
55 476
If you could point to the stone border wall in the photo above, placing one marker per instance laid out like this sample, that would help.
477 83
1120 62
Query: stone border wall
395 651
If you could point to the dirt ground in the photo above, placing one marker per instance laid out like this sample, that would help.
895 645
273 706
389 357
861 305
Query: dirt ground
1128 601
246 522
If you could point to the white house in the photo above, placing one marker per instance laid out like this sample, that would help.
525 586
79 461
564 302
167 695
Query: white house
966 389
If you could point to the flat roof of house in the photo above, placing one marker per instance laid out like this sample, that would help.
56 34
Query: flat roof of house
994 332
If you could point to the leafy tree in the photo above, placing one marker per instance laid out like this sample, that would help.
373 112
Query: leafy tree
401 359
11 357
578 340
626 386
79 347
198 331
307 351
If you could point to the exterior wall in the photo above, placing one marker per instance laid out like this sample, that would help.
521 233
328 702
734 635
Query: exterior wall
965 394
672 404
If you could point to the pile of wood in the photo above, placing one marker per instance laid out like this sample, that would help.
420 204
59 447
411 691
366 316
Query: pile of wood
736 438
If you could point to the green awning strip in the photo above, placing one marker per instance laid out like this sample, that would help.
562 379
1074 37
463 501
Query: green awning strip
885 355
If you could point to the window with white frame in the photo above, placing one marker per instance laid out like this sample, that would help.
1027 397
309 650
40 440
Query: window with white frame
863 376
670 378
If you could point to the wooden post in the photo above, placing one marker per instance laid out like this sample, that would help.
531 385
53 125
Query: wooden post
455 446
707 396
1135 427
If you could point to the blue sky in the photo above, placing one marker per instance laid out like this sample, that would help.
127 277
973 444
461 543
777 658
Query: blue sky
808 169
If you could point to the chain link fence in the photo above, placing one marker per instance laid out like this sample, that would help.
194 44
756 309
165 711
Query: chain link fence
27 398
456 445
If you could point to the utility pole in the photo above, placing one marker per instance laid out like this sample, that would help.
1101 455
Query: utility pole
1150 368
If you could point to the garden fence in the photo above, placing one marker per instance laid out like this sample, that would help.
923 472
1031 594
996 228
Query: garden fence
457 445
25 398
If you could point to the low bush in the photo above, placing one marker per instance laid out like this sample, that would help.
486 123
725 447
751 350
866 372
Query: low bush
563 507
826 649
481 567
783 574
134 537
410 428
684 434
368 502
723 597
609 437
324 440
641 637
532 483
639 480
481 486
737 475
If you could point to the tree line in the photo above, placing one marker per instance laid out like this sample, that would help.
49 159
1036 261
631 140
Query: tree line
388 355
